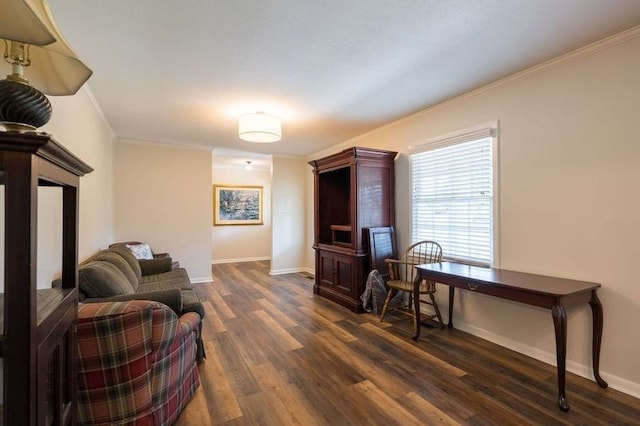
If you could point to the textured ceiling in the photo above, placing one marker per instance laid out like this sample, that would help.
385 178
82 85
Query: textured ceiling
181 71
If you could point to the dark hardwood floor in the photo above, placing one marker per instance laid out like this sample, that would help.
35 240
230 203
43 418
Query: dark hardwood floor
279 355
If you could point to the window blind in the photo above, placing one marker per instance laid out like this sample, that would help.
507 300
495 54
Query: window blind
452 195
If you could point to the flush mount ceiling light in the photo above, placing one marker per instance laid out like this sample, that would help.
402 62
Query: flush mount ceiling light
259 127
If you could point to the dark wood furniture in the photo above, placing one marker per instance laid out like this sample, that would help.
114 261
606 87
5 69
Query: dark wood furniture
353 191
552 293
402 278
37 341
382 245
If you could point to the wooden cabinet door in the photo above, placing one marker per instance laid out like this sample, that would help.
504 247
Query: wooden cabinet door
325 269
336 272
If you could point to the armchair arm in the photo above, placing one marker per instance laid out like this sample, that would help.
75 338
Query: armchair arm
155 266
172 297
394 268
117 345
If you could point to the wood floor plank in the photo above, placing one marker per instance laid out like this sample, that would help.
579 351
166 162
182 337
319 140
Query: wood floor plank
220 305
278 355
328 311
371 405
298 410
364 366
198 413
410 348
278 315
324 324
430 414
221 399
285 339
212 319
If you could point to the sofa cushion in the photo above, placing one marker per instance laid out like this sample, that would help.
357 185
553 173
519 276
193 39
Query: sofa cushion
102 279
130 258
174 278
117 260
141 251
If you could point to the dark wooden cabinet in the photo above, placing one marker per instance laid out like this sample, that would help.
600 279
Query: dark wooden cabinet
353 190
37 326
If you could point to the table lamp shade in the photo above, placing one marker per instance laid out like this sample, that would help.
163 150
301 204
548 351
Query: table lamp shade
55 69
19 21
37 61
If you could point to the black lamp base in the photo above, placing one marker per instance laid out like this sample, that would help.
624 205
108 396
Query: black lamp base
22 107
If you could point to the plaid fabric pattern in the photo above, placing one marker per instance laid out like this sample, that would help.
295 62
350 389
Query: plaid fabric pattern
136 363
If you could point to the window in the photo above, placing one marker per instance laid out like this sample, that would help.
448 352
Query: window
452 194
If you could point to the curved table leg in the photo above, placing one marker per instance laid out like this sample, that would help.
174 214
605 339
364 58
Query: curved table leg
452 291
560 324
416 306
596 312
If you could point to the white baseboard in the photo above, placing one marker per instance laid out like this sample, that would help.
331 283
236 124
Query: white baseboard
243 259
290 271
618 383
201 280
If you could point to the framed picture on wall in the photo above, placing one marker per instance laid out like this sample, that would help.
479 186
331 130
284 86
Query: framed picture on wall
237 205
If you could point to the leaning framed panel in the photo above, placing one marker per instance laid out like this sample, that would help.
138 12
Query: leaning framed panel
237 205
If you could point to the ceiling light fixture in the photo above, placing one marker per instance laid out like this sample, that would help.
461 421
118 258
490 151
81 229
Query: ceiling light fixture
32 39
259 127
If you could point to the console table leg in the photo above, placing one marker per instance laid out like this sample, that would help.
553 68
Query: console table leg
596 311
451 294
416 306
560 324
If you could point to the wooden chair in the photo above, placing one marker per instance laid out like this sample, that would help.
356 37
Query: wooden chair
402 274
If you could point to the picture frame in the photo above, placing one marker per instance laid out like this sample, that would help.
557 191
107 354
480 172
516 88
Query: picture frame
237 205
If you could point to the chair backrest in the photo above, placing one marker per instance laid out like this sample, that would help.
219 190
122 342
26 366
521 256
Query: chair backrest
382 245
418 254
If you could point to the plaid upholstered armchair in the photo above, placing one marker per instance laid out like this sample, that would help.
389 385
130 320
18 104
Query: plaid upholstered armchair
137 363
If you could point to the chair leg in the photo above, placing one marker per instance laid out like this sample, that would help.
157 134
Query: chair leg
390 294
435 307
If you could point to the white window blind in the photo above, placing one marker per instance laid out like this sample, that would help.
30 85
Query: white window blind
452 195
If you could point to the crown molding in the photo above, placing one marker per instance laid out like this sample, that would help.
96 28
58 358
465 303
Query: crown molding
582 52
99 109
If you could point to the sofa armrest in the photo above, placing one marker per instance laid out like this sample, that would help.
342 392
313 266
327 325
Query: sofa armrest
172 297
155 266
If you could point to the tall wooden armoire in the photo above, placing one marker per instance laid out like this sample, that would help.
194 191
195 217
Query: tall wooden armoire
353 190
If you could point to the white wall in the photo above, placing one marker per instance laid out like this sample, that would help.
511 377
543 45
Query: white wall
310 258
163 197
569 171
79 125
289 215
241 243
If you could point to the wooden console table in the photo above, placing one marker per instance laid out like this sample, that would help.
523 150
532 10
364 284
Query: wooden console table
552 293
